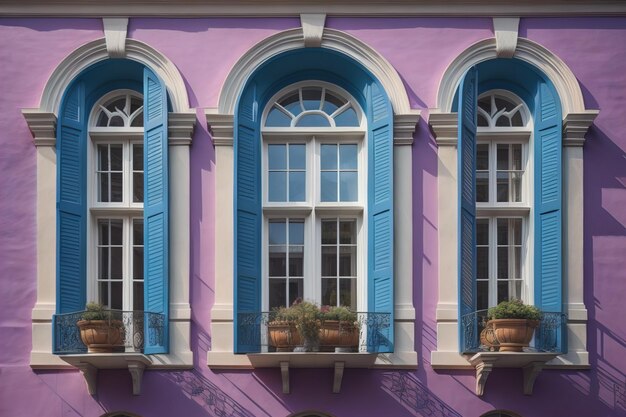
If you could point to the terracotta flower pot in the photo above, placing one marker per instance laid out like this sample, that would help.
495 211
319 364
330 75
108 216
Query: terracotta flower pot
283 336
336 334
514 334
102 336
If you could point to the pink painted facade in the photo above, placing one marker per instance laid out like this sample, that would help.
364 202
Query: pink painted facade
204 50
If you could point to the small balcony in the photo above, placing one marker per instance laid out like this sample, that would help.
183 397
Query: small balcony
117 340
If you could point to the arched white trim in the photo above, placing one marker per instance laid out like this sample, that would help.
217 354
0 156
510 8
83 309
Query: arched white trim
294 39
96 51
556 70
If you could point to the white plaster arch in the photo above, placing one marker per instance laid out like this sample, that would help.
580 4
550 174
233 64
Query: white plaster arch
294 39
96 51
552 66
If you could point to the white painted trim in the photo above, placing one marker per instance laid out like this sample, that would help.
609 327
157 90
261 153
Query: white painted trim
313 28
506 31
195 8
552 66
96 51
115 30
332 39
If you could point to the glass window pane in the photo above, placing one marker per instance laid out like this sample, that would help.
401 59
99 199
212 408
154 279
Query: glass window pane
331 103
329 232
348 186
277 232
482 187
103 290
311 98
116 232
482 157
103 187
137 157
296 232
347 261
278 261
503 232
516 187
328 186
517 231
138 296
503 263
348 156
297 186
313 120
482 231
347 231
277 156
328 156
277 118
116 263
103 157
116 187
509 289
347 293
481 121
482 295
278 292
138 263
296 261
137 231
347 118
296 289
517 262
103 263
116 295
116 157
329 261
297 156
277 190
503 186
138 187
292 103
517 156
482 262
503 157
103 232
329 291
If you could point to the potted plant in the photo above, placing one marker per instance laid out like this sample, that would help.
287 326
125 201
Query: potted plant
100 331
304 316
282 332
514 324
339 330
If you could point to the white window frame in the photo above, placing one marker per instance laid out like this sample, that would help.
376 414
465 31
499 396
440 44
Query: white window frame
312 210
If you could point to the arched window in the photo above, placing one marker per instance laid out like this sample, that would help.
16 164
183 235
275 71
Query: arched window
314 197
500 413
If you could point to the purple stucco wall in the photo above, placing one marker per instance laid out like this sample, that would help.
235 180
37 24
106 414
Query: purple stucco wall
204 50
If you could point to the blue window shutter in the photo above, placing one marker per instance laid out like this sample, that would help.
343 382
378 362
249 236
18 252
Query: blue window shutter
468 97
71 202
156 225
380 217
548 214
247 224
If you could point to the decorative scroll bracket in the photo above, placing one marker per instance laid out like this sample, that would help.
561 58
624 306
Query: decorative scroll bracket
339 367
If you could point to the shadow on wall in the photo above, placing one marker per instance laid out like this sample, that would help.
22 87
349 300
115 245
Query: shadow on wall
414 396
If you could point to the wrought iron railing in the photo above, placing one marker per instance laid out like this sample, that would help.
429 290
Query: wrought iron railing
546 337
130 329
262 332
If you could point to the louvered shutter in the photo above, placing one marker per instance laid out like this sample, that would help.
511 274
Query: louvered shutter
71 202
156 253
247 225
548 214
467 209
380 218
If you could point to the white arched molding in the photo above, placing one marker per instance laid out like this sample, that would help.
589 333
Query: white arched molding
576 122
220 121
42 123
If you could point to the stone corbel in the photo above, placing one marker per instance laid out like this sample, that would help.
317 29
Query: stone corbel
404 127
338 377
221 127
483 370
90 373
115 29
284 372
575 127
180 128
506 31
42 125
445 127
313 29
136 369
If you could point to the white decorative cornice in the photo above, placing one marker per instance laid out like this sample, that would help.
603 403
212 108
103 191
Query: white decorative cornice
312 29
332 39
445 126
575 127
552 66
180 128
42 125
96 51
221 127
506 31
404 127
115 29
